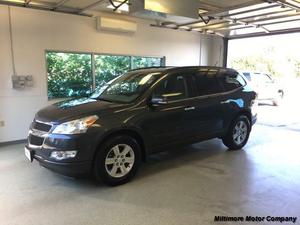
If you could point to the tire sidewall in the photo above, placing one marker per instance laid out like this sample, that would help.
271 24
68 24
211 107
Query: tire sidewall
100 172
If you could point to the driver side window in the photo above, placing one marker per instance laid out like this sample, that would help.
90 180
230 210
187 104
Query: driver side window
172 89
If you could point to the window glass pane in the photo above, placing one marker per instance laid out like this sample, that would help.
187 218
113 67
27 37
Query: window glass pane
261 78
141 62
127 87
68 74
172 89
108 67
208 83
231 82
241 80
247 75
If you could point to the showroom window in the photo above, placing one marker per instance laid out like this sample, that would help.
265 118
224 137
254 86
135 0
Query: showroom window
78 74
140 62
108 67
68 74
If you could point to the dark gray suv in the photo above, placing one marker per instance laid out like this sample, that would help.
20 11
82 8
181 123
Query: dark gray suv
140 113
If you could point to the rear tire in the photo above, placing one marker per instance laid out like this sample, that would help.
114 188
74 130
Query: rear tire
238 133
117 160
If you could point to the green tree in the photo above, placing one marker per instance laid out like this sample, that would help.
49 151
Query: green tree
107 67
69 75
296 63
254 63
140 62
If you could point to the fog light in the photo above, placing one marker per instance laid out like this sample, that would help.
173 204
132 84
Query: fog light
60 155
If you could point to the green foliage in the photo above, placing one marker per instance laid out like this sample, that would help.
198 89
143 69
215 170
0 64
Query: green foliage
297 67
108 67
269 59
257 63
140 62
69 75
252 63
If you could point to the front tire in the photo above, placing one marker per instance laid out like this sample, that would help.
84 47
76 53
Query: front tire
117 160
238 133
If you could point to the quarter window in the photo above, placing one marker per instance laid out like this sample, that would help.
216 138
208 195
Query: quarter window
233 81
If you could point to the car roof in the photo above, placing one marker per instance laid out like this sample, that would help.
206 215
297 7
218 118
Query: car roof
184 68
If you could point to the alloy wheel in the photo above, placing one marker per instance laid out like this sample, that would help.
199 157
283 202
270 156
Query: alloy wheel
240 132
119 160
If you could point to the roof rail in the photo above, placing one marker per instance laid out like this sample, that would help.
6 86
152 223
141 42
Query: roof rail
152 67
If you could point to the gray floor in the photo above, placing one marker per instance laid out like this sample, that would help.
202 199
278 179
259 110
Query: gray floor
186 186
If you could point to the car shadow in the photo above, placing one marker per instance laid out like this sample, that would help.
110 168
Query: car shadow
180 156
169 159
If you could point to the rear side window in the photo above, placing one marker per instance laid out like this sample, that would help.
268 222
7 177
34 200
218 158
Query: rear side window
232 81
208 83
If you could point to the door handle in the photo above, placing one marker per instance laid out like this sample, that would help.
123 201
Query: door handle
225 102
189 108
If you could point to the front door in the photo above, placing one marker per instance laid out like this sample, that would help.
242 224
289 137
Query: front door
165 122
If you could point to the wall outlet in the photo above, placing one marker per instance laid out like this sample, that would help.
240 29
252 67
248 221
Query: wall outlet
2 124
20 82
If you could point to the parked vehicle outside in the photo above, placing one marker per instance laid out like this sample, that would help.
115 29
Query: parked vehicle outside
139 113
266 87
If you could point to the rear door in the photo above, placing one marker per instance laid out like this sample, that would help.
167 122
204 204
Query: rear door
208 116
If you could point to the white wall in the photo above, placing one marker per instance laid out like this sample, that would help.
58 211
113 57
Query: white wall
35 31
211 48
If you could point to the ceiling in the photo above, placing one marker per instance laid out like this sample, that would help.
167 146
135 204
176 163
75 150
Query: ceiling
227 18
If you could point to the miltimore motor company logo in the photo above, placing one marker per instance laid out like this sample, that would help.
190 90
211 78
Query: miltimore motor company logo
256 219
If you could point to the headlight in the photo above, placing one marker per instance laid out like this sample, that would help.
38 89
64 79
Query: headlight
78 126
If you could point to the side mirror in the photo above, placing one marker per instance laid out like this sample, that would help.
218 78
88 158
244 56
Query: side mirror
158 101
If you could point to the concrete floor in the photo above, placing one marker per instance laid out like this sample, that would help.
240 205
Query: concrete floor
186 186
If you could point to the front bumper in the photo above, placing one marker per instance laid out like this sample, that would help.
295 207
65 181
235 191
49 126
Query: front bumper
80 165
72 169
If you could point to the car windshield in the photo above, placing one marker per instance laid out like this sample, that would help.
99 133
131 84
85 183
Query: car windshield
126 88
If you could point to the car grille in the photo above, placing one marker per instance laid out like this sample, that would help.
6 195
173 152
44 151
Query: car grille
34 140
41 126
37 133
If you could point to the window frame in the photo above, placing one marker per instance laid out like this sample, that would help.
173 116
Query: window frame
93 54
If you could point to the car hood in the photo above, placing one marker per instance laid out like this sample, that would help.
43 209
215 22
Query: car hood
75 108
